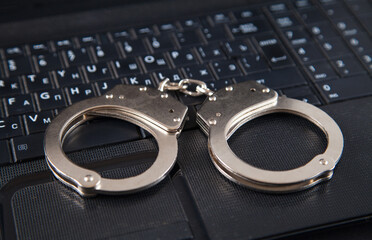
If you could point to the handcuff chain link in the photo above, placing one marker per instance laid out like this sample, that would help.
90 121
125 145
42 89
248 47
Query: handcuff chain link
183 85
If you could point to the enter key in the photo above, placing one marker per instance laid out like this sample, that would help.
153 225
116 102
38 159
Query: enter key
273 51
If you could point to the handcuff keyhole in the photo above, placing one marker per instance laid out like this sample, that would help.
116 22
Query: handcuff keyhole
171 110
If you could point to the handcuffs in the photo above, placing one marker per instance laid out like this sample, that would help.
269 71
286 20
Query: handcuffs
221 114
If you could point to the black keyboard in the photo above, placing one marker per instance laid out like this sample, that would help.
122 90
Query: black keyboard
316 52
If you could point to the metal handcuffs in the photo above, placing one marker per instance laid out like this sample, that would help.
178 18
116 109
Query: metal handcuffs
222 113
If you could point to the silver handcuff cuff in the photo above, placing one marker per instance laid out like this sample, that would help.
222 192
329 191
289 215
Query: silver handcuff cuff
221 114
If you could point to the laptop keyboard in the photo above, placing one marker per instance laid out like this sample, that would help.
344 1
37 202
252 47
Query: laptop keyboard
316 52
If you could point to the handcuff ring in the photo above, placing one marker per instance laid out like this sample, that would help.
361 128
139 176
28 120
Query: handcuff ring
220 116
133 104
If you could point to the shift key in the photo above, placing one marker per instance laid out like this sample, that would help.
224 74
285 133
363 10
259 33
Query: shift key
346 88
28 147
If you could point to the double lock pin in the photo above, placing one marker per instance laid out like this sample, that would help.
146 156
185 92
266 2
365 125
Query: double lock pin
221 114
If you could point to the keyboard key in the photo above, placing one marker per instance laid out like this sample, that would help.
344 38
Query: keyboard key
323 31
335 47
347 66
88 40
161 43
38 48
297 91
301 4
199 72
141 80
134 47
144 31
337 11
18 104
37 122
69 76
63 44
286 20
312 15
18 66
188 38
79 92
278 7
244 15
273 51
250 27
28 147
51 99
5 153
77 57
367 61
346 88
46 62
297 36
10 127
214 33
97 72
236 48
167 27
9 87
226 69
253 64
210 52
154 62
182 57
107 85
119 35
361 43
127 67
302 93
13 52
309 53
348 26
40 81
321 71
277 79
218 18
190 23
105 52
172 74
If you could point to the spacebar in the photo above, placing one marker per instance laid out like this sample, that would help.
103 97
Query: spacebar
100 131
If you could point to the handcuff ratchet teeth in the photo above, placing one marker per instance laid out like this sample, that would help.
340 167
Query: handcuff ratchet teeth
222 113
